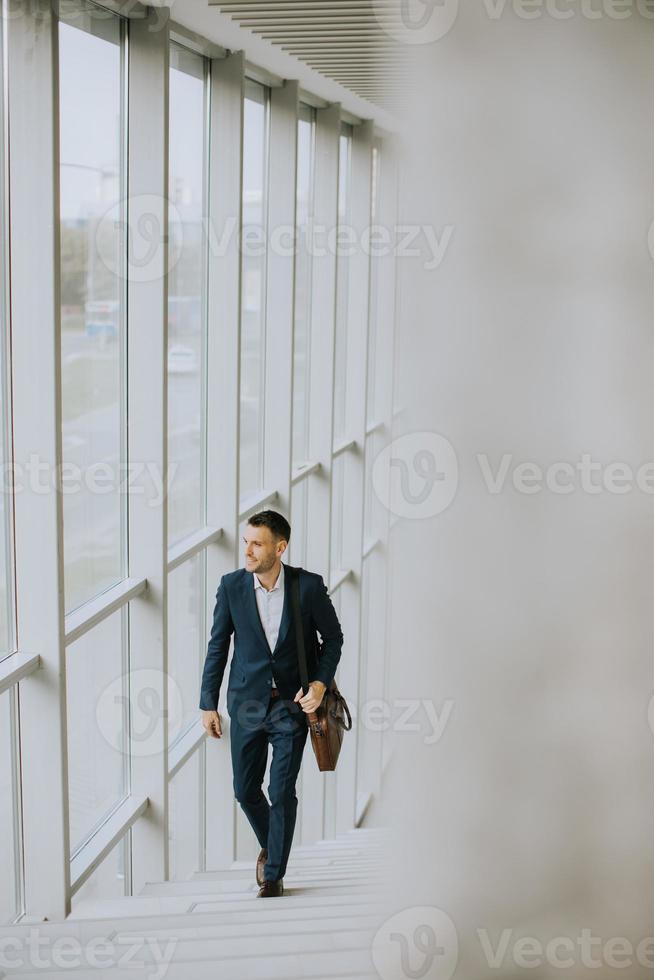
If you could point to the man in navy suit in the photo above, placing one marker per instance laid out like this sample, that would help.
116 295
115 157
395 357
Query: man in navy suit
264 693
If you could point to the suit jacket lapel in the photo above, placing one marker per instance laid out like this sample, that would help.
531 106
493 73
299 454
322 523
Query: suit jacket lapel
251 607
253 610
285 621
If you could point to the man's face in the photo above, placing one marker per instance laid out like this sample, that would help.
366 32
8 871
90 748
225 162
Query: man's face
261 550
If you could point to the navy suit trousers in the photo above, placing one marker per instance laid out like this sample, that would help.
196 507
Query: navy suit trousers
286 730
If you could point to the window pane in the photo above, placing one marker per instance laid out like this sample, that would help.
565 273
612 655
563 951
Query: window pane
369 741
7 630
298 543
96 701
111 878
338 492
374 278
186 309
185 827
10 824
92 302
342 283
253 319
375 514
186 639
301 351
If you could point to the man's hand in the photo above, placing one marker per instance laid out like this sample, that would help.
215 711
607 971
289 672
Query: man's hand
211 723
312 699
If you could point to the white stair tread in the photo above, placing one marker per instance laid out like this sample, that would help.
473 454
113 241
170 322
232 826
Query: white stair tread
334 965
319 860
219 929
158 905
240 884
335 898
250 946
274 917
247 873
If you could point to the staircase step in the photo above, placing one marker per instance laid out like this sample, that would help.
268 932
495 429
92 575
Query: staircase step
240 920
213 924
237 886
339 921
179 904
245 869
346 844
337 965
320 859
252 945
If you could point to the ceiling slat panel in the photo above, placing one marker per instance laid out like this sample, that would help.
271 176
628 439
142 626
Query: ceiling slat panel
349 41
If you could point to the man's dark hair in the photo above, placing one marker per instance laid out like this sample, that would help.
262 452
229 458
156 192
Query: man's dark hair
277 523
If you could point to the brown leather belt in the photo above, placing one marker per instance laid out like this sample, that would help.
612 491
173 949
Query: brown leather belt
274 693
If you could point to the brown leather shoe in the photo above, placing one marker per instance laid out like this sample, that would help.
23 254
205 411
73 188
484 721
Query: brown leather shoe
271 889
261 860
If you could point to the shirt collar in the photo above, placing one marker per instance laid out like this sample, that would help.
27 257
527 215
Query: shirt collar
279 584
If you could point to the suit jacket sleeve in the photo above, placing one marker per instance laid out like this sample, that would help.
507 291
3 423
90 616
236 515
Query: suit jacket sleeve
330 631
217 651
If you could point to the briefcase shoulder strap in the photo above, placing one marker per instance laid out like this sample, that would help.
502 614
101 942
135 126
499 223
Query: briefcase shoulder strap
299 632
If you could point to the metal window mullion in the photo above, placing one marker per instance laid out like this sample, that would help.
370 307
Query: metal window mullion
32 47
148 120
354 462
96 849
386 303
101 607
192 545
310 229
278 365
321 343
264 415
6 392
227 79
17 809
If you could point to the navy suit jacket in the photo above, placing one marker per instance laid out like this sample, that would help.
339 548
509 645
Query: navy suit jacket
253 665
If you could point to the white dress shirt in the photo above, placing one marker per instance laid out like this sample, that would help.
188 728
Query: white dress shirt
270 604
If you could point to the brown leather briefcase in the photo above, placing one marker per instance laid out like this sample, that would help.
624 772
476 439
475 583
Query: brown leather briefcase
327 724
